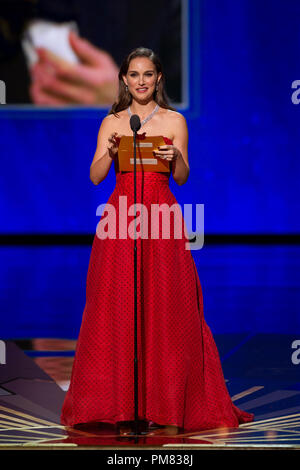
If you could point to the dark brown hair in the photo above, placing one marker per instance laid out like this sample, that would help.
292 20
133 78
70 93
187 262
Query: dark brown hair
124 98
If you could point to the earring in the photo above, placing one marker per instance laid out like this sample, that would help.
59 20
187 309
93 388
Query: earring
126 88
157 87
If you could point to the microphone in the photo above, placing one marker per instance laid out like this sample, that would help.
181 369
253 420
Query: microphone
135 123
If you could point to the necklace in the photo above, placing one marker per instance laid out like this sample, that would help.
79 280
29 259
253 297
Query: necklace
148 117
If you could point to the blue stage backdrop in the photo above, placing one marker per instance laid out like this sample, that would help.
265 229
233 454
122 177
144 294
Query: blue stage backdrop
244 130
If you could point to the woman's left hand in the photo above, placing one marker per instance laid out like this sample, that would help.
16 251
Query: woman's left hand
167 152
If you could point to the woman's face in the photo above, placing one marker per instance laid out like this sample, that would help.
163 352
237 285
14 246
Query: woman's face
141 78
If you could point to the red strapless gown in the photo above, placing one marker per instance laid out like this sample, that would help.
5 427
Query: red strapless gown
180 375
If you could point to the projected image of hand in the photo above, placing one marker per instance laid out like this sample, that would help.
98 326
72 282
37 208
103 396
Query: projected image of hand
91 81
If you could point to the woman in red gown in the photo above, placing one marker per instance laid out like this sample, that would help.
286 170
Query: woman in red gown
181 384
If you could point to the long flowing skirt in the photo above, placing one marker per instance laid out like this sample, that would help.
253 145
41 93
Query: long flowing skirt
180 378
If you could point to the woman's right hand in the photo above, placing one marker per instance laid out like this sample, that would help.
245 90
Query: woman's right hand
114 140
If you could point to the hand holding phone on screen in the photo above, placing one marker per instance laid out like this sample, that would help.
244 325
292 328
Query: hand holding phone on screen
91 78
51 36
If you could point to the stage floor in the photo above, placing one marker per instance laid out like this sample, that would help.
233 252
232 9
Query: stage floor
251 304
37 372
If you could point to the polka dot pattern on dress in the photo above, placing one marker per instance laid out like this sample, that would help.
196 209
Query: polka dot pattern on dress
180 375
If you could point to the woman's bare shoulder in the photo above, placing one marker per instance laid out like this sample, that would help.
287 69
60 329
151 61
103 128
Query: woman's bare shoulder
118 115
175 116
174 121
113 122
114 118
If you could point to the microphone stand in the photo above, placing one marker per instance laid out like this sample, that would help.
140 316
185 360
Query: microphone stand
135 301
135 125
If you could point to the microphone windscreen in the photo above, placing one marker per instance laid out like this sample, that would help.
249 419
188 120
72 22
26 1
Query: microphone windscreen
135 122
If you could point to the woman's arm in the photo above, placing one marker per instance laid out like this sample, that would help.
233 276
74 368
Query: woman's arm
105 152
180 166
177 154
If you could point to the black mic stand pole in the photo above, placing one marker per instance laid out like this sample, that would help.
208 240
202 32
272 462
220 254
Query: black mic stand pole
135 125
135 301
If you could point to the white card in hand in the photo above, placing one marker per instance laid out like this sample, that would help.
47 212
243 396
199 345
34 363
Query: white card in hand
51 36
